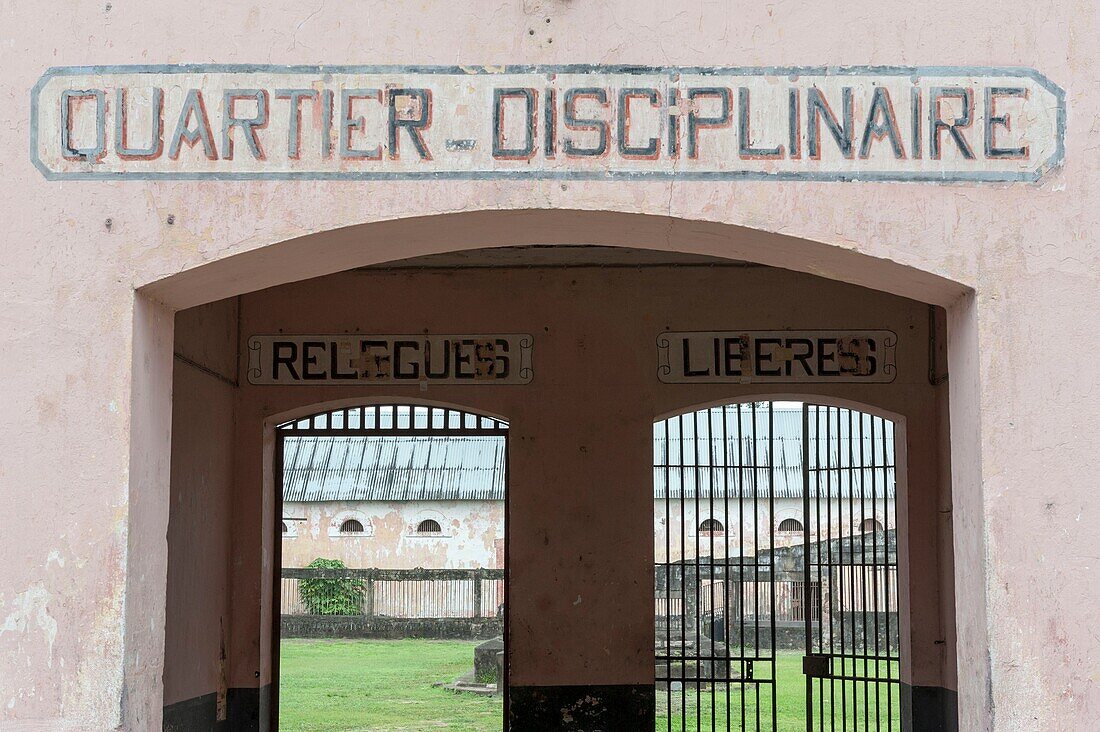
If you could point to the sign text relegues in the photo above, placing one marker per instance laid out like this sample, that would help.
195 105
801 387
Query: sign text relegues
584 122
346 359
757 356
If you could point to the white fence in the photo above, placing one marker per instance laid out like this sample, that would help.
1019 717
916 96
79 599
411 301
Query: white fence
395 593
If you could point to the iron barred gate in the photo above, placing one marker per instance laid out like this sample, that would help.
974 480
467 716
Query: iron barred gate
716 632
776 570
403 433
852 665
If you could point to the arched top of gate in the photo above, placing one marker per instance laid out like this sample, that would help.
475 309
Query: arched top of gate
392 419
270 263
799 397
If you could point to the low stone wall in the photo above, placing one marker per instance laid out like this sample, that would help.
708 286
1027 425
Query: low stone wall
789 635
859 631
360 626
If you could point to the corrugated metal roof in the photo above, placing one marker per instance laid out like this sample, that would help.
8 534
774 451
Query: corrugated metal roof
727 452
420 468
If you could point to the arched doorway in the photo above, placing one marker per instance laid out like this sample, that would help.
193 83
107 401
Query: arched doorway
585 561
777 594
376 491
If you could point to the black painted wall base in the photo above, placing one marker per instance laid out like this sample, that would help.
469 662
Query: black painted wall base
609 708
933 708
193 714
247 710
618 708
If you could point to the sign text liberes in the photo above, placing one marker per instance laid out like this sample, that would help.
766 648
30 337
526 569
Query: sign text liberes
756 356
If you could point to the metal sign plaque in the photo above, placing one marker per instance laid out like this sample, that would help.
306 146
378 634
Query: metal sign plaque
777 356
580 121
320 360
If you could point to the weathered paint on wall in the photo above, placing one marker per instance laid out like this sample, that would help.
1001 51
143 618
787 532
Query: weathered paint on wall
472 528
248 122
390 539
677 531
1013 264
199 523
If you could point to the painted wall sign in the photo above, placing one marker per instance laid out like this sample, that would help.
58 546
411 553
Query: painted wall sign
777 356
561 122
317 360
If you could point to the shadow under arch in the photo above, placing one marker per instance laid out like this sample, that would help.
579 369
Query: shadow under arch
273 421
824 400
325 252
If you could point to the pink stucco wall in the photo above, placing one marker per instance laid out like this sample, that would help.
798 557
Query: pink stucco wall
88 374
199 523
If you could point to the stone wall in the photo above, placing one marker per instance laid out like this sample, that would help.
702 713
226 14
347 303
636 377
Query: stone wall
358 626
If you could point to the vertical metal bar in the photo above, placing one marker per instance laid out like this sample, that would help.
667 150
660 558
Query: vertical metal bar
713 663
277 571
831 492
755 531
741 553
806 556
368 609
887 514
840 559
697 575
821 448
726 554
811 536
670 576
852 566
863 569
817 543
506 664
668 573
683 579
874 572
771 554
756 550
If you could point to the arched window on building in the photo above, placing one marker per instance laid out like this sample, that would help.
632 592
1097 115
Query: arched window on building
429 526
286 529
870 525
790 526
351 526
711 526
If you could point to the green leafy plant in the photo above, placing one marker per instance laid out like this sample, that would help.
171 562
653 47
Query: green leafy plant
331 596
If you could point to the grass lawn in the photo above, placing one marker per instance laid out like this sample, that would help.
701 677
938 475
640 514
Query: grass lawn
707 710
381 686
386 686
